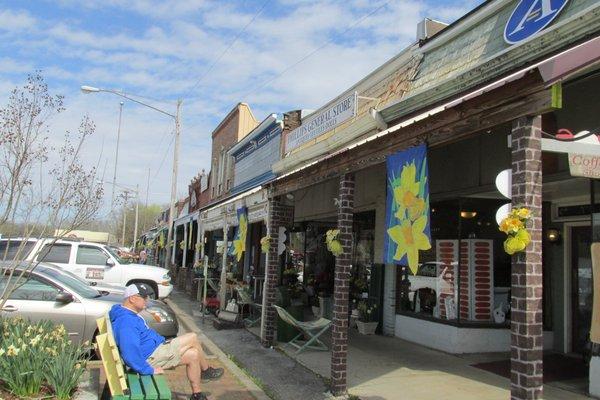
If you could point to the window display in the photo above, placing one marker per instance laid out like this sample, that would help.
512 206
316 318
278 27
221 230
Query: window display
465 277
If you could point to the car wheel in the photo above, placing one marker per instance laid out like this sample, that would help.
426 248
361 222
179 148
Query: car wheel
148 288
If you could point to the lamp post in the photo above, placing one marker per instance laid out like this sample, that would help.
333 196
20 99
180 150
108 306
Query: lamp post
112 198
177 118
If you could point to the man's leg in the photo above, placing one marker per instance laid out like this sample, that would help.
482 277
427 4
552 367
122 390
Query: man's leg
191 359
190 341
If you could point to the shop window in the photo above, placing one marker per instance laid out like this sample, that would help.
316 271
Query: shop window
465 276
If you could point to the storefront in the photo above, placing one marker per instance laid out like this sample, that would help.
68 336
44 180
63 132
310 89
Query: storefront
479 105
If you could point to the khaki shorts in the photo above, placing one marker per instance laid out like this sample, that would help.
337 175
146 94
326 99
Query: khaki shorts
166 355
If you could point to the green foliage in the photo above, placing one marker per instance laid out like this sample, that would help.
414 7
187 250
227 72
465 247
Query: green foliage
32 354
366 312
64 372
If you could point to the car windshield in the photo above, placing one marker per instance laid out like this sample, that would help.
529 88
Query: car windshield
15 246
79 286
119 259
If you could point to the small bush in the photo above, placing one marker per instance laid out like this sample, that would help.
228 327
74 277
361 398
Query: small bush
34 355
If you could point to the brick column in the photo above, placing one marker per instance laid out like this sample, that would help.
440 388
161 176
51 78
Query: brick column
526 287
279 215
343 265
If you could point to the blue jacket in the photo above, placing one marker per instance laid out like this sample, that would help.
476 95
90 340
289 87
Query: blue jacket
135 340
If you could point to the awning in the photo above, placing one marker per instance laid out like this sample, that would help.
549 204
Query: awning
565 63
185 219
570 61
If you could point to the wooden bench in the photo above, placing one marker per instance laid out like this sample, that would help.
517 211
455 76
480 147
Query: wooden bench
121 385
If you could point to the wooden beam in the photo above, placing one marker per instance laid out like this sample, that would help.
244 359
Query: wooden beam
515 99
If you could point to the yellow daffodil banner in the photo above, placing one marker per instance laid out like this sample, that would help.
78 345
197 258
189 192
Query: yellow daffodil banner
407 207
239 242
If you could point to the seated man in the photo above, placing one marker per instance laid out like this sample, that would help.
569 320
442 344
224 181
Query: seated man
147 353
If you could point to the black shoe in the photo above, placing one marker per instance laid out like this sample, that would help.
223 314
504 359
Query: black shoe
198 396
211 374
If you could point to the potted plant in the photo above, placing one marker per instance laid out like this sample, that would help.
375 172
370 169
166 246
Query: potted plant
366 322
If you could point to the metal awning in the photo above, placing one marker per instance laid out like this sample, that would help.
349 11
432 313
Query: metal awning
570 61
561 64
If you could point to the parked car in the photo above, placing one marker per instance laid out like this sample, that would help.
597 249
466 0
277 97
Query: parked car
91 261
158 315
49 293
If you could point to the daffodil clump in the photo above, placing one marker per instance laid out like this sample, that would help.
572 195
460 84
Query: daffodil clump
39 357
514 225
239 244
265 243
411 215
333 244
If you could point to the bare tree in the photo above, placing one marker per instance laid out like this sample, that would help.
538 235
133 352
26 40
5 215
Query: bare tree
45 186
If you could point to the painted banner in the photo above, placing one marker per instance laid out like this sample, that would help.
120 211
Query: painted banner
239 242
407 207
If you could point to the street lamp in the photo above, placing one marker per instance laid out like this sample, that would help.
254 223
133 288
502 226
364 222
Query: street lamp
112 198
177 118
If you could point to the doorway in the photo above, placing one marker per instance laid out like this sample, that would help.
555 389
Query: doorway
581 287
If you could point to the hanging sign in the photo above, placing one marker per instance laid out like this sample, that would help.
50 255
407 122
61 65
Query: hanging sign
322 122
239 242
529 17
407 207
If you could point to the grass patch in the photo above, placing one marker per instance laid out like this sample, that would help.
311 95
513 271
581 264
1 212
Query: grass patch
257 381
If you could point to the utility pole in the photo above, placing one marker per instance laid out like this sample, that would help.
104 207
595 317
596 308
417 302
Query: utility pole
126 196
112 199
173 184
137 213
147 188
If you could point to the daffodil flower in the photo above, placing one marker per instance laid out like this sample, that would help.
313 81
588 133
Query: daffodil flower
407 191
410 238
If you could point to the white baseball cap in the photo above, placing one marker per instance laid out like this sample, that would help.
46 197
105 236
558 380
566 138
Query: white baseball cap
133 289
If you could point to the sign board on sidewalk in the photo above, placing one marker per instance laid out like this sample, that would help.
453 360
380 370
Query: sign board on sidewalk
322 122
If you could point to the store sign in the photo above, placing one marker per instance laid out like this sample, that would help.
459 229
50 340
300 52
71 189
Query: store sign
530 17
324 121
584 165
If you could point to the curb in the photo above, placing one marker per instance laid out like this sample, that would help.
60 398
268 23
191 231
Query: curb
188 322
88 386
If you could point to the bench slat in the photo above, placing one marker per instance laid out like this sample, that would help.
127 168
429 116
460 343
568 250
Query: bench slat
149 388
164 393
135 386
110 368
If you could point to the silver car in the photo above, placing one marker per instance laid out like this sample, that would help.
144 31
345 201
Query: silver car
50 293
158 315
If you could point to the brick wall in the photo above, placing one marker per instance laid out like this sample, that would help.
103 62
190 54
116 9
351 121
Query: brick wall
526 286
280 215
343 266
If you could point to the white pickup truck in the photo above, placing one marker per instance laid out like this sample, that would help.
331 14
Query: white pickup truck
92 261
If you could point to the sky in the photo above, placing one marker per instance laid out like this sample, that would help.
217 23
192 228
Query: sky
274 55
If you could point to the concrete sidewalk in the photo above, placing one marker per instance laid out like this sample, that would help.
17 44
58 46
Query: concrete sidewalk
278 375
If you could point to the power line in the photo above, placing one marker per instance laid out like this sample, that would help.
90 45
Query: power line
302 59
163 159
226 49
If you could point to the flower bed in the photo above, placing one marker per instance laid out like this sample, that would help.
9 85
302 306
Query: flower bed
39 360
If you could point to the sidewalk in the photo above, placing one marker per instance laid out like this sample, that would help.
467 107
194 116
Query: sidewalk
234 385
277 374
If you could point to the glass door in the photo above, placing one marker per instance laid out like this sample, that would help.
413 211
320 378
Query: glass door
582 286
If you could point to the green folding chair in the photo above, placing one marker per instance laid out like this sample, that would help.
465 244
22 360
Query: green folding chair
310 329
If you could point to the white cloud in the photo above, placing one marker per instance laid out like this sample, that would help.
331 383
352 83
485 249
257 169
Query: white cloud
16 21
163 48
